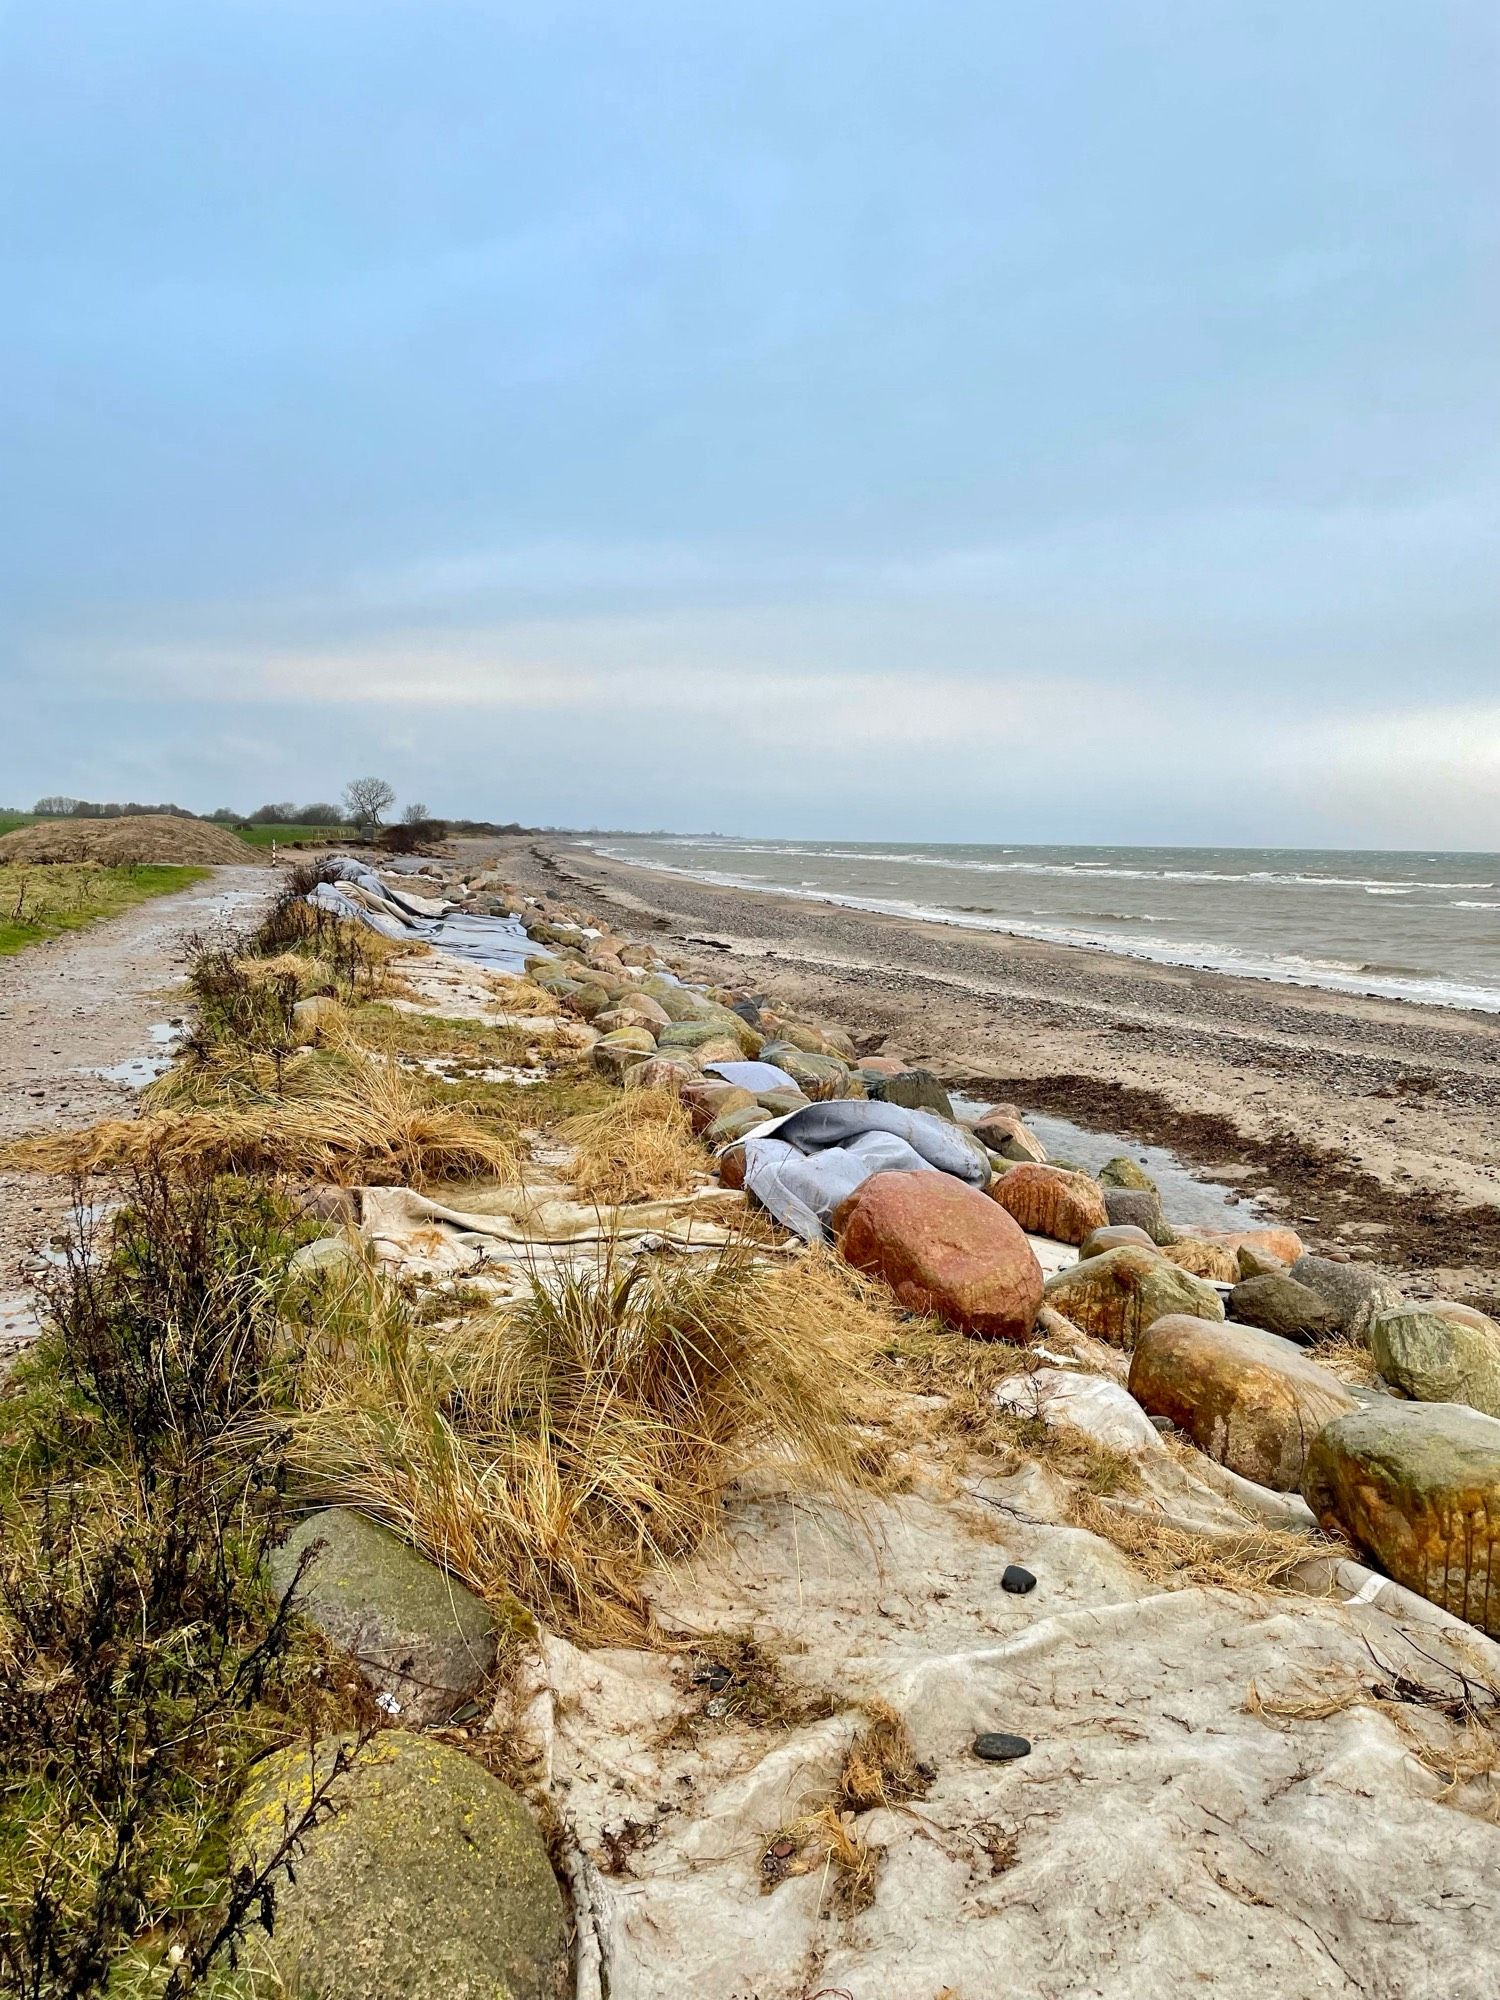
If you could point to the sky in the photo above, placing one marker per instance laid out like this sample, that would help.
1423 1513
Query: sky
1065 420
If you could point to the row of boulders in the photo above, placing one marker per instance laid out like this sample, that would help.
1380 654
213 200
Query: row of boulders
1223 1327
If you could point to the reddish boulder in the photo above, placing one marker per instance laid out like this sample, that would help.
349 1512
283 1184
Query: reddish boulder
1051 1201
945 1248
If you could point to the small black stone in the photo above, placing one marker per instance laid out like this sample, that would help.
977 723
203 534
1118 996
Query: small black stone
997 1748
1017 1580
1164 1423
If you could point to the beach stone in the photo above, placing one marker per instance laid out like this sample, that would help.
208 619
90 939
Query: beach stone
419 1635
637 954
663 1072
1016 1580
1048 1201
778 1103
310 1018
1142 1208
1114 1236
1280 1305
943 1247
1247 1399
704 1098
814 1041
720 1049
343 1255
820 1077
1214 1261
1439 1352
613 1018
996 1747
1357 1292
1416 1487
430 1882
1122 1172
640 1039
913 1090
590 1000
1283 1244
735 1123
645 1008
1117 1296
698 1034
678 1003
883 1065
1253 1263
613 1058
1000 1132
730 1165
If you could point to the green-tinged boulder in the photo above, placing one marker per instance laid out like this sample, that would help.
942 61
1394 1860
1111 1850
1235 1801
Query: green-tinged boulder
552 979
818 1077
814 1041
617 1053
561 935
1000 1131
1357 1292
716 1025
423 1639
1250 1400
913 1090
706 1097
736 1123
1204 1258
590 1000
1252 1263
667 1070
1140 1208
1121 1172
1280 1305
430 1882
1416 1487
777 1103
1118 1295
1440 1353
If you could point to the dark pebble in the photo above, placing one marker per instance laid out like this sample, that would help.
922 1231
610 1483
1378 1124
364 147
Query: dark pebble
1017 1579
997 1748
1164 1423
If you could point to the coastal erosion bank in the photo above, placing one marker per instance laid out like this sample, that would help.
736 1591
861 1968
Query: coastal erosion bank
1363 1121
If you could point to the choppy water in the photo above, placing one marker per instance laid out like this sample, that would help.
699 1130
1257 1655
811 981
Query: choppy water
1402 926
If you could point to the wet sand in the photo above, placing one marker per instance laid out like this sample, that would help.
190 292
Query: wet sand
1372 1125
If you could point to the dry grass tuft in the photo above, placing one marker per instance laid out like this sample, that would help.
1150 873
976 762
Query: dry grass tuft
1349 1359
1254 1558
557 1448
880 1766
357 1122
639 1147
1450 1723
825 1842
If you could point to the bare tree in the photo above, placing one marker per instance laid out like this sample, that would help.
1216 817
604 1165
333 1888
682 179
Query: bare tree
365 800
416 814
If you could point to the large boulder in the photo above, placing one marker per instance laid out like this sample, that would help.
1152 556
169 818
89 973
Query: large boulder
1139 1208
1117 1296
707 1098
1248 1399
430 1881
1357 1292
999 1131
1279 1304
1114 1237
1285 1245
741 1037
424 1640
819 1077
913 1090
1121 1172
1439 1352
1049 1201
943 1247
672 1071
1416 1487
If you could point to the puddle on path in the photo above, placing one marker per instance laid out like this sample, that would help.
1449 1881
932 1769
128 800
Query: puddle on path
1186 1196
137 1071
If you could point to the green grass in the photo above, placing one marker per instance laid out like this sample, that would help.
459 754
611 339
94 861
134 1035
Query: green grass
39 900
263 836
10 821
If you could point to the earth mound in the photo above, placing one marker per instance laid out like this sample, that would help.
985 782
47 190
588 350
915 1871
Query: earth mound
122 843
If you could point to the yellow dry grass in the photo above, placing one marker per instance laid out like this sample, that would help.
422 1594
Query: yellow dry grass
557 1449
880 1766
355 1122
1253 1558
639 1147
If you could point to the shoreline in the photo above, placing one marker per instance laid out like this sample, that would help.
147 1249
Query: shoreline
1408 989
1367 1123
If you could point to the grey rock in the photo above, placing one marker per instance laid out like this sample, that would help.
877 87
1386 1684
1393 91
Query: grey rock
1439 1352
913 1090
421 1637
1278 1304
1355 1291
1138 1208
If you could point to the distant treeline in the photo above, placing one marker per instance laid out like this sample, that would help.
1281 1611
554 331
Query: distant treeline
61 808
279 812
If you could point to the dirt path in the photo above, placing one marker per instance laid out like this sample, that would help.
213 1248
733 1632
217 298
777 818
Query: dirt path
76 1006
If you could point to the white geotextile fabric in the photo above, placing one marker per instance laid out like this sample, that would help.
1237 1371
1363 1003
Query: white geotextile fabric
1160 1840
1105 1409
800 1167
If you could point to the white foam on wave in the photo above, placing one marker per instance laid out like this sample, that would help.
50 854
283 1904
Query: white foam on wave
1282 969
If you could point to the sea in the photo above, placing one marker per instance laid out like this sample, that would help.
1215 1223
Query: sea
1402 926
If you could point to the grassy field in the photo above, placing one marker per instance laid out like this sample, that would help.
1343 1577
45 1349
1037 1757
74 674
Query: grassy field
263 836
10 821
37 902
